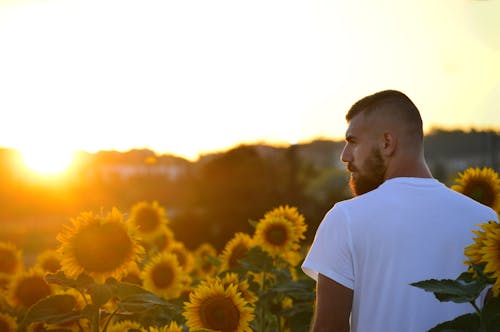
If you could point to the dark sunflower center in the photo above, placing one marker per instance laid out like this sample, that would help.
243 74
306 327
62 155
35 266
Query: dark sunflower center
32 289
219 313
102 248
481 191
206 265
8 261
51 264
162 275
276 235
4 326
238 252
147 219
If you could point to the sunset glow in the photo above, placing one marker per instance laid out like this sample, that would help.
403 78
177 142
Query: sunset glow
46 162
192 77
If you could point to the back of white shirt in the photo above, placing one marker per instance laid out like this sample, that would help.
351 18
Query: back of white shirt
407 230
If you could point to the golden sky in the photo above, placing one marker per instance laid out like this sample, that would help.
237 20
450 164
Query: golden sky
188 77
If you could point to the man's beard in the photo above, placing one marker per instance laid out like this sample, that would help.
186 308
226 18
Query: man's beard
374 170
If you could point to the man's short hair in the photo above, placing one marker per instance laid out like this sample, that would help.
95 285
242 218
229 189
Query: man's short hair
397 103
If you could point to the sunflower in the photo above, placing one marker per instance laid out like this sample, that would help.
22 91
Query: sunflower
490 251
172 327
294 257
232 279
7 323
203 265
276 235
291 214
161 241
242 287
148 218
187 286
474 252
286 304
28 287
4 281
125 325
214 307
164 276
184 256
49 261
10 258
482 185
236 249
101 246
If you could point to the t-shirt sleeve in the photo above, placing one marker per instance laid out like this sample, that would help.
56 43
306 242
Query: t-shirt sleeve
331 252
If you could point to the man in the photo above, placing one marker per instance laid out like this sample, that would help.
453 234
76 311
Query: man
402 226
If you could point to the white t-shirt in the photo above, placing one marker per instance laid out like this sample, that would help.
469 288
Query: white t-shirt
406 230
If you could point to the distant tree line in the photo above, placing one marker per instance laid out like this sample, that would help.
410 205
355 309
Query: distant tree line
214 197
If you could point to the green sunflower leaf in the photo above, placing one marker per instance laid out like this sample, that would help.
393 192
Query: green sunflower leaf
91 312
123 289
53 309
447 290
302 289
100 294
490 315
464 323
134 298
59 278
256 260
300 321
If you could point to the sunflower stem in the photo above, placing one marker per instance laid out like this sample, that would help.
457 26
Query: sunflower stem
83 295
80 328
475 307
280 328
109 319
95 320
262 309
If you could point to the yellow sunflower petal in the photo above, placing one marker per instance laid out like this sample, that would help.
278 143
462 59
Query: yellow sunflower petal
482 185
149 218
10 258
101 246
486 249
28 287
184 256
7 323
293 215
125 325
214 307
276 235
164 276
203 265
172 327
235 249
242 286
160 241
49 261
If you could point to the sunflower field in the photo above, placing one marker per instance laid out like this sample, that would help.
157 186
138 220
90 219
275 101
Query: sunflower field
112 273
126 271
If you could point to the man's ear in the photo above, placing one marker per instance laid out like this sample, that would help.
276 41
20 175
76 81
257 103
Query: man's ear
389 144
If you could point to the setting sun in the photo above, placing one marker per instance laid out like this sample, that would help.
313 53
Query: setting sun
46 162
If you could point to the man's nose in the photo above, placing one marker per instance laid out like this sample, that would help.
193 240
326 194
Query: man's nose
346 156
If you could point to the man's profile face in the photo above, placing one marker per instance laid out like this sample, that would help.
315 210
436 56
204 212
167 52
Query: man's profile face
362 156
